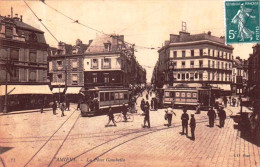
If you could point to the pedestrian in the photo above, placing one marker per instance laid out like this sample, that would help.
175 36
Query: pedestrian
198 109
78 106
124 112
155 104
230 101
225 101
110 115
42 104
169 116
54 107
62 108
212 116
148 105
222 116
142 105
192 126
146 116
185 119
146 96
152 103
233 102
67 104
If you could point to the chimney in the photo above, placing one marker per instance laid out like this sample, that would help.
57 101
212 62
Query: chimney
16 17
21 18
209 33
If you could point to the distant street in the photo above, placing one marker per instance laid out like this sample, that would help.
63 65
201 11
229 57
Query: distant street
48 140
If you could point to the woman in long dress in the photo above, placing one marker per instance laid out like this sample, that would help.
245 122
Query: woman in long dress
241 19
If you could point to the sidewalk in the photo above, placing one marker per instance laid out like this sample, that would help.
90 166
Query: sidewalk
25 111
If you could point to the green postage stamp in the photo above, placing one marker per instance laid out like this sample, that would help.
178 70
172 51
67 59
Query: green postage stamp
242 21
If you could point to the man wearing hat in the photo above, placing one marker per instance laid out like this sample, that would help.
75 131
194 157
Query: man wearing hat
185 119
222 116
192 126
212 116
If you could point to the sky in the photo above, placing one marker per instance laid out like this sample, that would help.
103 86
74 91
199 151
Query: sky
143 22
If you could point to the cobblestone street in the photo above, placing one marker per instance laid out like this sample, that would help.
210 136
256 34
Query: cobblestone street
81 141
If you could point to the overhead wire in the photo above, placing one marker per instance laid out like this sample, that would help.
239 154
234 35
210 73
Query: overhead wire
40 20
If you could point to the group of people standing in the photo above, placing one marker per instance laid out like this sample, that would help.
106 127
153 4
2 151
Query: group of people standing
212 116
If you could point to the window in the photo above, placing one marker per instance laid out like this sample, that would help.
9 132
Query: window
209 63
226 66
116 96
107 96
213 64
32 57
107 46
217 76
179 76
106 63
175 54
187 76
183 64
196 75
74 79
213 53
32 75
182 94
218 54
201 52
106 77
74 64
94 63
191 64
183 53
183 76
192 53
59 76
222 65
217 64
59 62
15 55
112 96
201 63
213 76
200 76
125 96
94 77
174 64
192 76
222 55
102 96
15 76
121 95
8 32
174 76
208 52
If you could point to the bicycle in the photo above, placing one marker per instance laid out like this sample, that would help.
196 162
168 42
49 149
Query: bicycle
120 116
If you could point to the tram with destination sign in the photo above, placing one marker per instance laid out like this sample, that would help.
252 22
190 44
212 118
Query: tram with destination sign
100 99
188 96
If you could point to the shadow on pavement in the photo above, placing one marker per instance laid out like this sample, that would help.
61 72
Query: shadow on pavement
4 149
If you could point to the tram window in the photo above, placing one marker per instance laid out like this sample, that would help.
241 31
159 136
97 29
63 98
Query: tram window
107 96
102 97
112 96
116 96
183 94
194 95
177 94
125 96
188 94
121 95
167 94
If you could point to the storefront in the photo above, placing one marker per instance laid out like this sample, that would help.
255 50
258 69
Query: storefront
72 94
25 97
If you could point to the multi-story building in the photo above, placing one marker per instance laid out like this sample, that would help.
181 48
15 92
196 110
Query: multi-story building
66 69
194 60
254 73
239 76
108 61
105 62
23 64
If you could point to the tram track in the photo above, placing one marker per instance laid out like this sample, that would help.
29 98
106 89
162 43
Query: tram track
131 138
50 138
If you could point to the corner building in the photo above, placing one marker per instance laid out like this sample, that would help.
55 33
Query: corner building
196 59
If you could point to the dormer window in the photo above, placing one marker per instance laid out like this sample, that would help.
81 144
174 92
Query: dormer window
107 46
33 37
74 51
9 32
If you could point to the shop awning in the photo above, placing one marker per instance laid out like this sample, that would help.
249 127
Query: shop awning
73 90
25 89
57 90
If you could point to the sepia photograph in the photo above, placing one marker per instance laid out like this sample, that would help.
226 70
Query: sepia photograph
129 83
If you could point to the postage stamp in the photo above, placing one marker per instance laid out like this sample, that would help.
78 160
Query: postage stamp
242 21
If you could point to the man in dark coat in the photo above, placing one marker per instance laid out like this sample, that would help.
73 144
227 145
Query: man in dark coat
146 116
222 117
54 107
192 126
110 115
67 104
185 119
212 116
142 105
